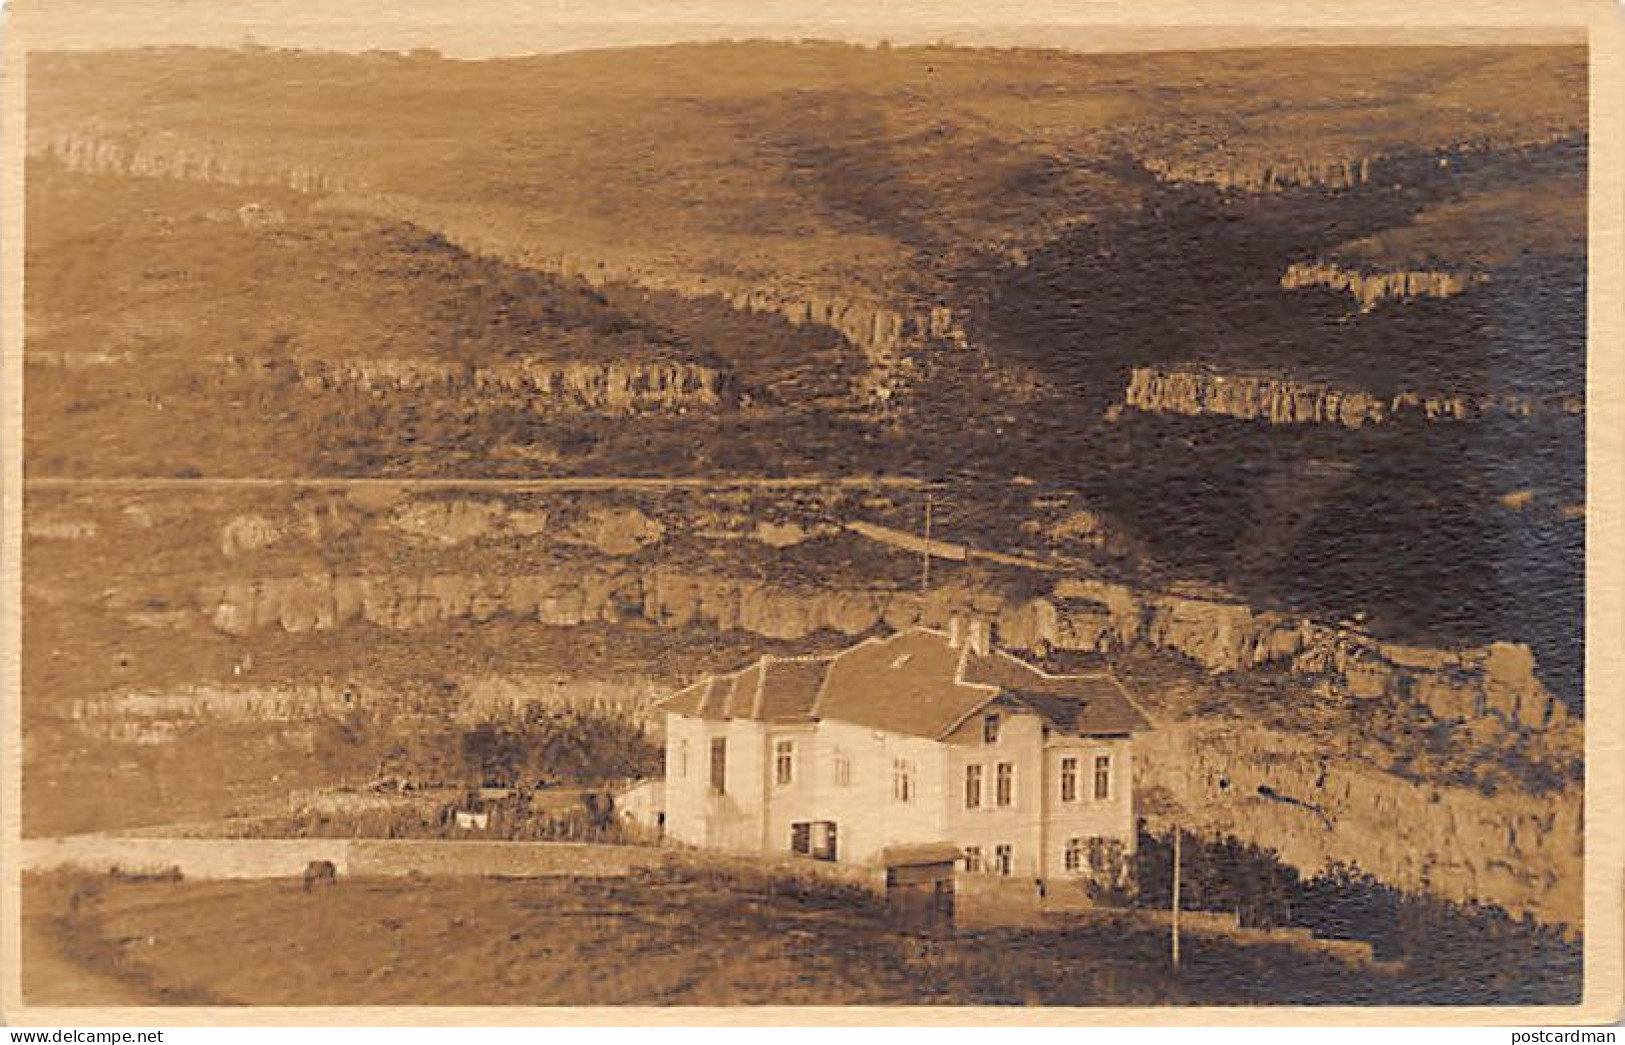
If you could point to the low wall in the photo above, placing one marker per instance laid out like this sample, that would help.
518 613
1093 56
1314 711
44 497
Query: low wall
224 858
193 857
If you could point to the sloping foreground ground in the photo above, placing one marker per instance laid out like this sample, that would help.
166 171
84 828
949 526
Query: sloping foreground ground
662 940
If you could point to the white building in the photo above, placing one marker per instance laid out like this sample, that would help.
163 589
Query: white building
921 737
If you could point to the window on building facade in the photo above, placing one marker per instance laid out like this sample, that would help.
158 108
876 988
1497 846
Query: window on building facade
1004 784
990 729
719 764
1103 777
1073 859
843 771
973 858
682 759
784 762
973 787
1069 780
902 780
1003 859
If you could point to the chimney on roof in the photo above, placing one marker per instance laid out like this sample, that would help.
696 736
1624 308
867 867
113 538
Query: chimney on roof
956 632
976 636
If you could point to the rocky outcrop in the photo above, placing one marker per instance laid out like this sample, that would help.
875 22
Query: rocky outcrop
200 703
1278 401
1263 174
1220 778
1339 666
251 532
1495 681
616 531
1228 158
1371 289
1282 401
54 529
450 522
622 387
164 155
1461 685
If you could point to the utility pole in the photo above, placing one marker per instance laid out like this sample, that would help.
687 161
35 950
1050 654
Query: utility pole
1177 833
925 551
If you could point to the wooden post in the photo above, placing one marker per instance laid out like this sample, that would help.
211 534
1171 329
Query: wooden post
1177 833
925 551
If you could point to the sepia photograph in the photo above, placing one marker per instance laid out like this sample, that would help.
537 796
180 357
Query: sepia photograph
574 508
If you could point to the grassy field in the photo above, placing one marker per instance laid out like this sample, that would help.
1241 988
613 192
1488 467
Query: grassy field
672 939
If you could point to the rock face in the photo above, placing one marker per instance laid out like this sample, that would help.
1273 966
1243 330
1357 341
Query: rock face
1223 159
1264 174
453 522
1282 401
1495 682
622 387
1371 289
1196 393
164 156
1232 778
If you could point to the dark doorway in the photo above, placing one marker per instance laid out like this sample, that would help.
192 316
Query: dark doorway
815 838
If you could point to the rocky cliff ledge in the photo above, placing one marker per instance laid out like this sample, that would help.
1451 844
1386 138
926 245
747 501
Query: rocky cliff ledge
1371 289
1263 174
612 388
1282 401
165 156
1233 778
1495 682
1225 159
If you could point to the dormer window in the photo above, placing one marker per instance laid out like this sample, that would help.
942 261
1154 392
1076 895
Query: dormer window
990 729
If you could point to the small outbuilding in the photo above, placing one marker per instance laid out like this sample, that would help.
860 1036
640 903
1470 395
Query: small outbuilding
920 881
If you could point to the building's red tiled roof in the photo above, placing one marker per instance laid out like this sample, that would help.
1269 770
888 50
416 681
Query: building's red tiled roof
915 683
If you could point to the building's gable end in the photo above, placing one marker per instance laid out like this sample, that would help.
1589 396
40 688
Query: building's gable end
1094 703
